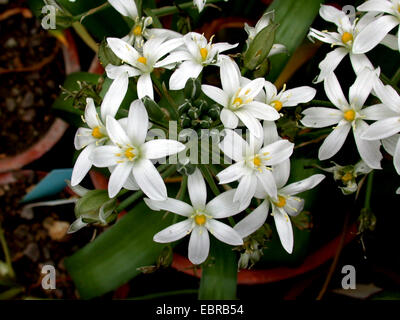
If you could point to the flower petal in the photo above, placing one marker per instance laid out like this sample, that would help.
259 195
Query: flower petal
334 141
175 232
262 111
91 117
223 205
334 92
224 233
281 173
293 206
138 120
116 133
126 8
369 150
187 69
270 132
378 112
253 221
114 96
229 119
303 185
382 129
293 97
83 138
123 50
245 190
267 180
396 157
118 178
361 88
319 117
250 122
82 165
233 145
171 205
160 148
199 245
278 151
105 156
230 76
329 64
216 94
390 144
114 72
284 228
359 62
387 95
145 86
197 189
233 173
149 180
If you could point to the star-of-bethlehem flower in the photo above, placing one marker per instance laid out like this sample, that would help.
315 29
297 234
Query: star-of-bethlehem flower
285 98
196 53
253 163
201 218
377 31
96 133
389 124
347 115
344 38
128 8
264 21
283 205
130 154
142 63
199 4
237 98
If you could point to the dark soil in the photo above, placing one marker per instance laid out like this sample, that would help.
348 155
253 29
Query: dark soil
31 70
39 241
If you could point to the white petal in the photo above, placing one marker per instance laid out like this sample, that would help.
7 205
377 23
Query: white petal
188 69
105 156
278 151
329 64
267 180
245 190
82 165
359 62
145 86
118 178
229 119
233 145
91 116
114 96
387 95
253 221
116 133
334 141
319 117
362 87
375 5
83 138
378 112
334 91
149 180
250 122
233 173
270 132
165 48
230 77
293 97
156 149
262 111
126 8
303 185
391 41
372 34
123 50
369 150
215 94
199 245
382 129
390 144
281 173
114 72
284 228
224 233
138 120
331 14
175 232
197 190
171 205
293 206
223 205
396 157
277 49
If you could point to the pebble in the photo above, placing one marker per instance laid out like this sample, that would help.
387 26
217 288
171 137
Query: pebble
11 43
28 115
28 100
10 104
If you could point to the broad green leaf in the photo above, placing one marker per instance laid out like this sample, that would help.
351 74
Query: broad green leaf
294 18
115 256
219 275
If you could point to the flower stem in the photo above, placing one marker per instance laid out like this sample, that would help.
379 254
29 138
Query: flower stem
396 78
6 253
82 16
368 192
181 194
85 36
167 10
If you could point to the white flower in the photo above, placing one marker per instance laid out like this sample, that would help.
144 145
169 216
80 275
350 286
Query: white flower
285 98
96 133
389 123
125 7
196 54
264 22
347 115
201 219
199 4
378 29
284 204
344 39
253 162
237 98
131 154
143 63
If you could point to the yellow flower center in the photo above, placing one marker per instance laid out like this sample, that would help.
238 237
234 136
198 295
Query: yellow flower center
281 202
238 101
257 161
142 60
349 115
203 53
96 133
200 219
346 37
347 177
277 105
129 154
137 31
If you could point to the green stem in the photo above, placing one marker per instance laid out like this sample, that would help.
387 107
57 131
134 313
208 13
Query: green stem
396 78
181 194
166 294
82 16
85 36
6 253
167 10
321 103
388 81
368 192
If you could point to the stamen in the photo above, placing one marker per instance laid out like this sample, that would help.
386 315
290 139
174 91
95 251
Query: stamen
349 115
347 37
200 219
257 161
96 133
129 154
347 177
203 53
281 202
142 60
137 31
277 105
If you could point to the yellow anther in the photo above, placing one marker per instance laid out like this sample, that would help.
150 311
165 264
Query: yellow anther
96 133
203 53
238 101
142 60
346 37
347 177
200 219
257 161
277 105
281 202
247 92
137 31
129 154
349 115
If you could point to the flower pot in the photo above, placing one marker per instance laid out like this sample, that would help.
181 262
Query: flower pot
58 127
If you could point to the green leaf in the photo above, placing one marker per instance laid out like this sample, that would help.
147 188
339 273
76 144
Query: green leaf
294 18
219 276
113 258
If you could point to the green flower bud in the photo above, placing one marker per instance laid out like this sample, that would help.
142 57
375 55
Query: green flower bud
185 168
183 108
185 121
153 109
214 112
95 206
193 113
106 55
202 105
205 122
192 89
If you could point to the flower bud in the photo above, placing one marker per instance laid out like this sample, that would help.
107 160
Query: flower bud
106 55
153 109
192 89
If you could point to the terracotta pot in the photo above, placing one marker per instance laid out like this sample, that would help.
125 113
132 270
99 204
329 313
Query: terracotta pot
56 130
